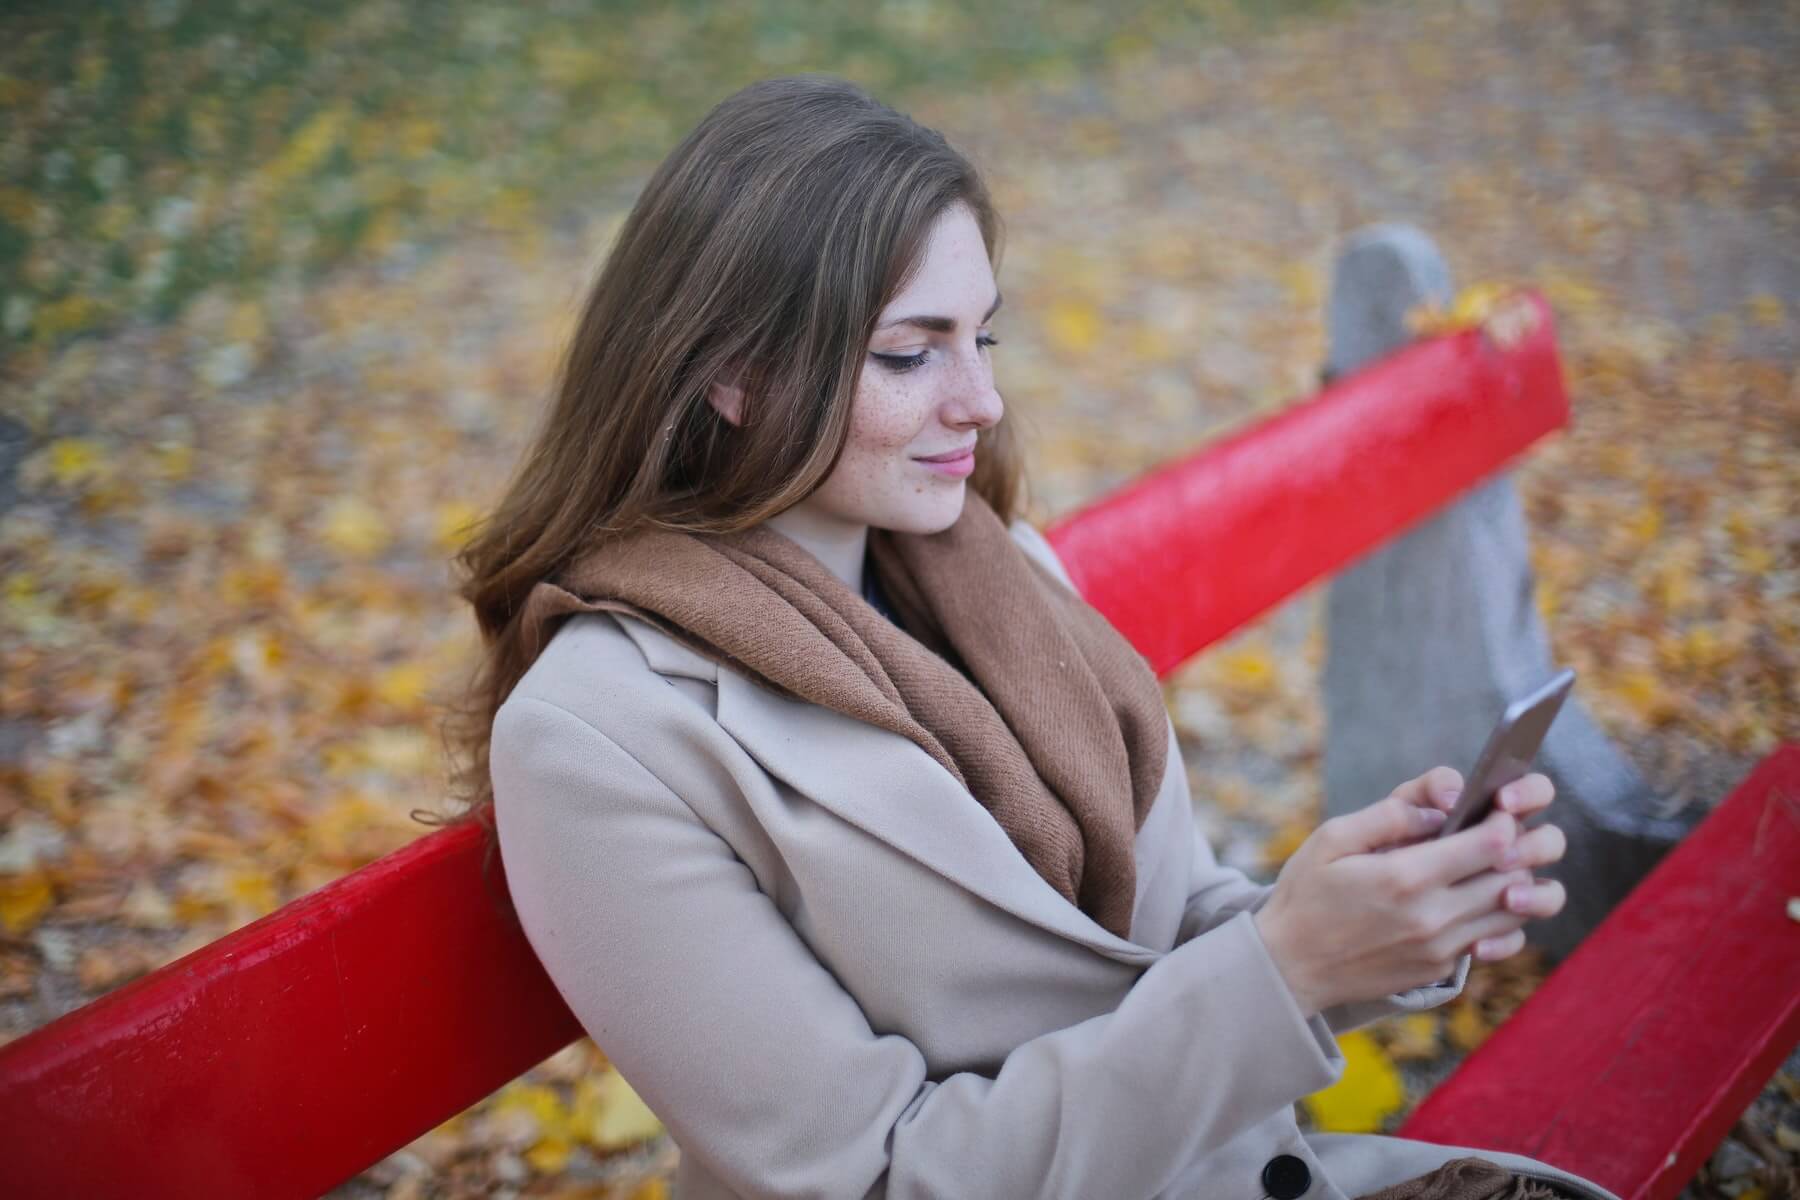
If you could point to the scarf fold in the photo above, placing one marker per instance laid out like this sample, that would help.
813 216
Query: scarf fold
1470 1178
1019 688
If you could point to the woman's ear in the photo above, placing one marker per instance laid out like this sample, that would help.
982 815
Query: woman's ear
728 399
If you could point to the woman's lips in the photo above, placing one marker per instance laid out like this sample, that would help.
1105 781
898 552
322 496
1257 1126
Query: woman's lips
956 467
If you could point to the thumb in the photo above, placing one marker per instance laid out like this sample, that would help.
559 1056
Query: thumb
1383 823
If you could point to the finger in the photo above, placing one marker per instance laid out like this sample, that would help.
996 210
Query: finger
1437 788
1538 899
1388 820
1527 794
1538 847
1477 897
1495 949
1463 937
1444 861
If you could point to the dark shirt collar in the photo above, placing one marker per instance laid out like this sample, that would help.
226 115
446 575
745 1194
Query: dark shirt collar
874 595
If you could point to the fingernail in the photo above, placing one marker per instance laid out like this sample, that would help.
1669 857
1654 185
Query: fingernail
1450 796
1433 817
1509 799
1512 858
1518 896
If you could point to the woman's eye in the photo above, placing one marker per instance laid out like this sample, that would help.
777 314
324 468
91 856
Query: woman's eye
898 363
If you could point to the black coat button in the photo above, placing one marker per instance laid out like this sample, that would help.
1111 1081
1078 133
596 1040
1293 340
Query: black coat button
1286 1177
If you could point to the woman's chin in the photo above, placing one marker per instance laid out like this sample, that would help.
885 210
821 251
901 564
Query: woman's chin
926 518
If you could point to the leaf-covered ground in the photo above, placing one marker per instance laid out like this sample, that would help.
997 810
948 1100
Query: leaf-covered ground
225 513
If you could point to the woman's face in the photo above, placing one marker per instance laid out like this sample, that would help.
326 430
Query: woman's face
927 386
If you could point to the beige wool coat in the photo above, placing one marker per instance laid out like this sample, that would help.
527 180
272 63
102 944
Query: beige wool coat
827 969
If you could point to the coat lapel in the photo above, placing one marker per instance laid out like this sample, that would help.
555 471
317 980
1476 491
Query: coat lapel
888 787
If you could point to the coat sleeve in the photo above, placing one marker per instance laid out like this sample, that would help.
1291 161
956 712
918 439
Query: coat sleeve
697 988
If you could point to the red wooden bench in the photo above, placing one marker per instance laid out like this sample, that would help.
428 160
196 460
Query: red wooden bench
301 1049
1631 1062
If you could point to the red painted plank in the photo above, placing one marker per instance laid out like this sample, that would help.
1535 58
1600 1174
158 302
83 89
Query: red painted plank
1196 548
1630 1064
294 1052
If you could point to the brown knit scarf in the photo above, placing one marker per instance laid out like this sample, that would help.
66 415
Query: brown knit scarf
1470 1179
1017 686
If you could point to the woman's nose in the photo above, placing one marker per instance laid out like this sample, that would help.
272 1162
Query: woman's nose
973 398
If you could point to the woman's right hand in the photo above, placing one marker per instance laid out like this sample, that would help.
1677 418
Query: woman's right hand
1373 904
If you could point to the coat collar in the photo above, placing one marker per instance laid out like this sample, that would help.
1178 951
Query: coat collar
890 788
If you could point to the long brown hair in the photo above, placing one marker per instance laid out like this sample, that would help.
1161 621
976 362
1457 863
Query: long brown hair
762 249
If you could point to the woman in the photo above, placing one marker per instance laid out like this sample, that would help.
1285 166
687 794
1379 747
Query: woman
859 843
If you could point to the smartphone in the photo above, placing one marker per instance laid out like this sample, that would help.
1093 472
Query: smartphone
1509 751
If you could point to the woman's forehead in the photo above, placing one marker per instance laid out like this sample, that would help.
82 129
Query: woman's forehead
954 276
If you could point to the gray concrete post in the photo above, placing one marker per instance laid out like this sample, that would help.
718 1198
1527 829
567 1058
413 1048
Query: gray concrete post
1429 637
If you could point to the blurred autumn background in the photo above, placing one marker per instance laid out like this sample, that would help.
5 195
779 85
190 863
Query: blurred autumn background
282 287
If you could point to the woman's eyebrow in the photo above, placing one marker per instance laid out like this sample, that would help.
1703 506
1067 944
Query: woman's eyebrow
940 324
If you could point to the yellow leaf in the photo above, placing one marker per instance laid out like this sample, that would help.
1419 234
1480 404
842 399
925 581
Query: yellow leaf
354 829
455 522
1465 1026
1766 309
1149 344
1643 690
1368 1092
1306 290
619 1117
147 907
1413 1036
548 1156
66 316
247 323
396 750
246 584
24 899
1250 668
403 685
1674 590
74 460
172 461
355 528
511 210
417 136
652 1189
1549 599
1074 325
539 1103
306 149
1569 294
1755 560
1284 841
258 656
251 892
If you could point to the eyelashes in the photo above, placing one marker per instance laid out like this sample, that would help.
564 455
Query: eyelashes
901 363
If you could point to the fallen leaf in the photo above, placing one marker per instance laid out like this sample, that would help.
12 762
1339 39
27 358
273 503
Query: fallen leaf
1412 1037
1368 1092
616 1116
24 899
1465 1025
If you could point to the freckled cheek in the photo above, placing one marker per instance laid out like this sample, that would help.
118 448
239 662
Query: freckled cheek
887 422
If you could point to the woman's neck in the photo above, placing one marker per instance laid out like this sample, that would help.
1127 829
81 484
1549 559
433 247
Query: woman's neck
838 545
